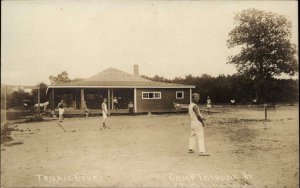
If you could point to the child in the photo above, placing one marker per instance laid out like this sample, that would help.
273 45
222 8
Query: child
131 107
116 103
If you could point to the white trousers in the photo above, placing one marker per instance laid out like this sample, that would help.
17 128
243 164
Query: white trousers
104 116
61 113
197 133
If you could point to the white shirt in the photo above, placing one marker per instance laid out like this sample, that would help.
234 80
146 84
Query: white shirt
192 113
208 101
104 108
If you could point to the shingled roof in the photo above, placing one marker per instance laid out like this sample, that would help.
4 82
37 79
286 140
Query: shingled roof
114 78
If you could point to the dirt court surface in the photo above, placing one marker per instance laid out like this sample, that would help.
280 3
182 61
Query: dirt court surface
151 151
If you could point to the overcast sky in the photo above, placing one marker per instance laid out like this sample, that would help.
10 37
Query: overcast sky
167 38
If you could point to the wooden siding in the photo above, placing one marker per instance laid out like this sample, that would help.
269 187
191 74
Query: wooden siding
165 104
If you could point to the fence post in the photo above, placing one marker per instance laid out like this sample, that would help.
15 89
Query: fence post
5 107
266 113
38 101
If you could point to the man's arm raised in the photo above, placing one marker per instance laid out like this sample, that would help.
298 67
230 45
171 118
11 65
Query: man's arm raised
180 106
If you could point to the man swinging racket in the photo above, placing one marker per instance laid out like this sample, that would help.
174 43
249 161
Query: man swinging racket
61 110
197 125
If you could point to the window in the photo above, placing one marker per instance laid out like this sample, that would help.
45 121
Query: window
179 95
151 95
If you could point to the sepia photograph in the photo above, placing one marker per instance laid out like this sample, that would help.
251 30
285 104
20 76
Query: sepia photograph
150 93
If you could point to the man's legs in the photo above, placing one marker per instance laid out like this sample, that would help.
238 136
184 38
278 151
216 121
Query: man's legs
104 121
192 140
200 137
198 132
104 118
60 115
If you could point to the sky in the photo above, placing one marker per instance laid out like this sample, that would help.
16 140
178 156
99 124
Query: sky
165 38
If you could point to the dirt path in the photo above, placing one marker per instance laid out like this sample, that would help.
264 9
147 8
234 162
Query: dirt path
151 151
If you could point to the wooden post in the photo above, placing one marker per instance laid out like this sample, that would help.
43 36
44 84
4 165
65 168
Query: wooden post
82 98
53 98
75 101
38 111
108 98
190 95
5 99
266 113
112 98
135 105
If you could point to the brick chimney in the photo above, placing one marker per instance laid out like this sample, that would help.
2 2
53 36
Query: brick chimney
136 70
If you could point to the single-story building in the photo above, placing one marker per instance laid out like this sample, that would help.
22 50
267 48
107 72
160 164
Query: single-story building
146 95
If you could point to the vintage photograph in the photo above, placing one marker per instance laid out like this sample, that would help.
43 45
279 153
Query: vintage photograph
179 94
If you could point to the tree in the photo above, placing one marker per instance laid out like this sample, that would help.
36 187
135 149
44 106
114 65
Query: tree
15 99
156 78
60 78
266 49
43 96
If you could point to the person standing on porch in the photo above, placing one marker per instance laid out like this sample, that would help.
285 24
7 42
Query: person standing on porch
104 113
116 103
130 108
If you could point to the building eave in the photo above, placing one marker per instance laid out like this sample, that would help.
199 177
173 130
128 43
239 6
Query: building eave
151 87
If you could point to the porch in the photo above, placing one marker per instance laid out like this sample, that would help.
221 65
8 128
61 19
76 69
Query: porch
75 97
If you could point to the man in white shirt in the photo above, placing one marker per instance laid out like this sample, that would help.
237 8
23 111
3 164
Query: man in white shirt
104 112
61 108
86 110
197 125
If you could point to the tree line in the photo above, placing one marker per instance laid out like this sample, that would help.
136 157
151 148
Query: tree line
220 89
223 88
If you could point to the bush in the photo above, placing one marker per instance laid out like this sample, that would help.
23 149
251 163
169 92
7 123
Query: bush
5 134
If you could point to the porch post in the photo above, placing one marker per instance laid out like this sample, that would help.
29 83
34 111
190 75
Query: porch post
52 98
135 105
75 101
108 98
190 95
82 98
112 98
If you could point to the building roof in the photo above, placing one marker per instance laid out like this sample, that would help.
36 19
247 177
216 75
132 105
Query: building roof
114 78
